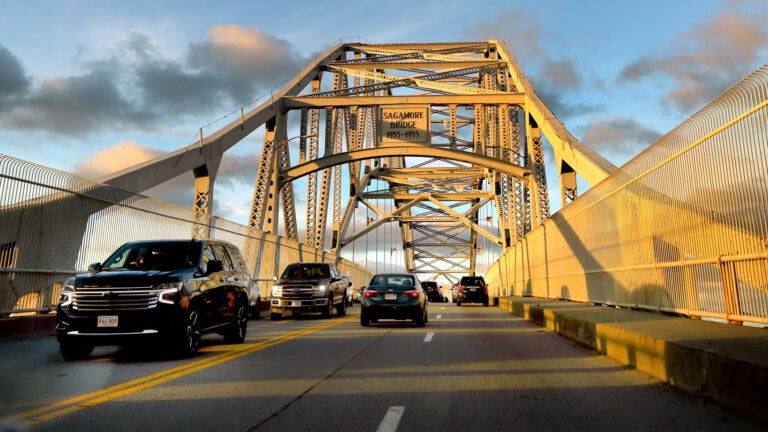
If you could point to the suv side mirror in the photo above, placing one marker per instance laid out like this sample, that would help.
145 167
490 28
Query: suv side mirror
214 266
95 267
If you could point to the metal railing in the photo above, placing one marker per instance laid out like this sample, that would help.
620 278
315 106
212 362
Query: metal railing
53 224
682 228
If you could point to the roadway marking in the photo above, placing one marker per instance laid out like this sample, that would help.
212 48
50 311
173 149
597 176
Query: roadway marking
428 337
391 419
439 316
100 396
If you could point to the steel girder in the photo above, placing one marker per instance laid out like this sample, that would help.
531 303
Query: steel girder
477 156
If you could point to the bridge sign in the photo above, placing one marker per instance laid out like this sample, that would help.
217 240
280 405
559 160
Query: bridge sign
407 124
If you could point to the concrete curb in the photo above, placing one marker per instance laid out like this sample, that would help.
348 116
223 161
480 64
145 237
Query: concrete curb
27 327
726 363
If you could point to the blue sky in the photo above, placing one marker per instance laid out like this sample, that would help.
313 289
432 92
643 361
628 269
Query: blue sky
94 86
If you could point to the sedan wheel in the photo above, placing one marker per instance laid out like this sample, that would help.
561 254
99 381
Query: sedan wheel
421 318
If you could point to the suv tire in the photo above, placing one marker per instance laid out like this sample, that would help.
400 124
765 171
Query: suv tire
188 341
236 333
75 350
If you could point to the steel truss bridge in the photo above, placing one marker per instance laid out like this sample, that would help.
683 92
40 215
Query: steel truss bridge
446 142
477 142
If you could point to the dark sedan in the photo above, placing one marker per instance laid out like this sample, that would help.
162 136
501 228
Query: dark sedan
396 296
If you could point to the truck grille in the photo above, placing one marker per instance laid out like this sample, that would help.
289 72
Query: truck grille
114 299
297 292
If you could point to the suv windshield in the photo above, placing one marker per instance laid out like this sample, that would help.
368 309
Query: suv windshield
306 272
154 256
472 280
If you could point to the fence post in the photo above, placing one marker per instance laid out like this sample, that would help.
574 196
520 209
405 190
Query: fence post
730 291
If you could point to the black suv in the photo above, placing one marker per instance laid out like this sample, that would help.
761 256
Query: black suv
433 291
472 289
167 290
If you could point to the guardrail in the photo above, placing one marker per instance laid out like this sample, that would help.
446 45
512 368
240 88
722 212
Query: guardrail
681 228
54 224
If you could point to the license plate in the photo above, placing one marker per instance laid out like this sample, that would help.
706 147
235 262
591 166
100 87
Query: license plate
388 296
472 289
107 321
296 303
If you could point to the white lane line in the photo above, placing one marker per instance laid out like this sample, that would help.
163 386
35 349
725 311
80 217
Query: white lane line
391 419
439 316
428 337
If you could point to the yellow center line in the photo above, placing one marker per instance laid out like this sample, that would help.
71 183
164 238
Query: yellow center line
98 397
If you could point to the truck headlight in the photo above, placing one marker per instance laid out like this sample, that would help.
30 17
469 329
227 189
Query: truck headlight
166 292
321 289
277 291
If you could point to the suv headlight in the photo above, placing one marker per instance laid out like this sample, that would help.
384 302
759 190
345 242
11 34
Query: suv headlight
166 292
277 290
321 289
66 295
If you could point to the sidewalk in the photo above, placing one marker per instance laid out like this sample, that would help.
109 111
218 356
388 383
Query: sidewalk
727 363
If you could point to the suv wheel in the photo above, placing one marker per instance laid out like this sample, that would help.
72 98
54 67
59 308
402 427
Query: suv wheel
236 333
189 340
75 350
341 309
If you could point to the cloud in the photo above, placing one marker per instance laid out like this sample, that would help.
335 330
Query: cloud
245 60
13 81
138 88
558 82
704 62
620 136
508 26
238 169
120 156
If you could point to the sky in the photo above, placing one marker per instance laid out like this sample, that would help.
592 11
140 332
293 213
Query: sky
92 87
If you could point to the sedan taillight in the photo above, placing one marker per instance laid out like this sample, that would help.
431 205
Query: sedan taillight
368 293
412 294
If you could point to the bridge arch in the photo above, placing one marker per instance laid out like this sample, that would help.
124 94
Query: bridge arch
320 164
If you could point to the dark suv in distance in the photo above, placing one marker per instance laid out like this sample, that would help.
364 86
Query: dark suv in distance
433 291
471 289
171 291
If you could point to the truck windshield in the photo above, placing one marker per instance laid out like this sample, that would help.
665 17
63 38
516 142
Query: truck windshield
306 271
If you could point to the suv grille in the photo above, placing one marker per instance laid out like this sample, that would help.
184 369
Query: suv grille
297 292
114 299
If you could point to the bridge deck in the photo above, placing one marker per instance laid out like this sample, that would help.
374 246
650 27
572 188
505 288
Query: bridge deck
726 363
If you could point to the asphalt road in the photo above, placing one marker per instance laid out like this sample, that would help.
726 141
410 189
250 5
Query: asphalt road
470 368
